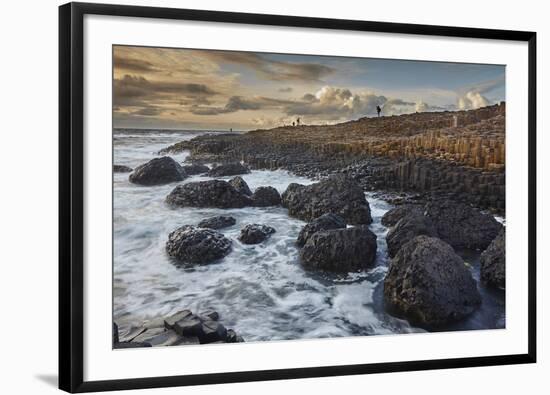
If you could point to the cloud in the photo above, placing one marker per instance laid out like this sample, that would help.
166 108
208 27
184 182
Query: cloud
475 96
136 90
472 100
335 103
421 106
327 104
133 65
285 90
274 70
237 103
147 111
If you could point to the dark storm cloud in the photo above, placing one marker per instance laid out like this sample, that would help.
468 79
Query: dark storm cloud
133 65
134 90
148 111
238 103
273 70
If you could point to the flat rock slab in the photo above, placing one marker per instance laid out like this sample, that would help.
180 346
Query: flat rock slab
169 322
159 337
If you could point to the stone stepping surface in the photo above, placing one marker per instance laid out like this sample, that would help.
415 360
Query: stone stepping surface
181 328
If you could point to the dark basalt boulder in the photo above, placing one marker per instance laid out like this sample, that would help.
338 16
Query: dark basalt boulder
255 233
158 171
429 284
115 333
194 169
189 244
340 250
337 194
228 169
240 185
407 228
395 214
213 193
461 225
265 197
217 222
492 260
324 222
121 169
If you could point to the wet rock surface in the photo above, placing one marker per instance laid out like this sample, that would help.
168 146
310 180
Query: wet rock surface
181 328
228 169
412 224
158 171
190 244
217 222
324 222
240 185
265 197
462 226
429 284
255 233
122 169
194 169
337 194
391 217
493 262
340 250
213 193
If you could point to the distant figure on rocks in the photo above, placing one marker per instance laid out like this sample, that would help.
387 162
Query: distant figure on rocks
298 122
378 110
293 123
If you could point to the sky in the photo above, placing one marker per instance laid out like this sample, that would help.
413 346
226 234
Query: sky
172 88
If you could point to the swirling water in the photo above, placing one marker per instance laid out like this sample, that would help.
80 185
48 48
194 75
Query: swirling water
259 290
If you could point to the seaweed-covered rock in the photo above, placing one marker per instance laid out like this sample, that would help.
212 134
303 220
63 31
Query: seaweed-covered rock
265 197
407 228
228 169
190 244
429 284
340 250
324 222
255 233
217 222
158 171
462 226
337 194
213 193
492 260
240 185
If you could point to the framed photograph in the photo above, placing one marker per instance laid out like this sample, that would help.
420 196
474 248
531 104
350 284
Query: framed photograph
259 197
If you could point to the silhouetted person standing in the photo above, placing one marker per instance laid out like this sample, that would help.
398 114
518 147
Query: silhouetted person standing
298 122
378 110
293 123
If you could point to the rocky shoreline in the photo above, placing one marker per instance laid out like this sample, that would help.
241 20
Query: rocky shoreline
441 209
445 155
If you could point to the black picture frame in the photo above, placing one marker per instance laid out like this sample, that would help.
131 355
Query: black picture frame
71 173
